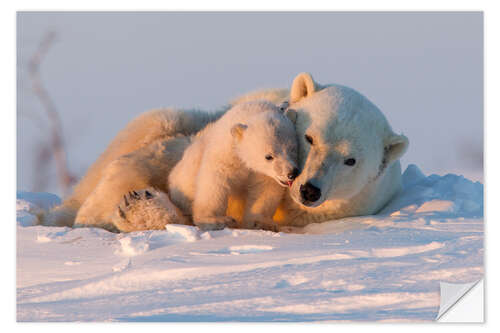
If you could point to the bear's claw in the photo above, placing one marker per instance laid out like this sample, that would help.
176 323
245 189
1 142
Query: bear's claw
122 213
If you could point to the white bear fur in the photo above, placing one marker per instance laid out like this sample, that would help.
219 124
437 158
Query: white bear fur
343 124
139 157
228 159
341 121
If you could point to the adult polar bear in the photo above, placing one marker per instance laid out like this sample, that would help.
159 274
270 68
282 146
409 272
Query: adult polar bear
348 154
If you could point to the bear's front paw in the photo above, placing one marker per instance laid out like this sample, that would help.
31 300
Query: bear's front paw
146 209
131 199
215 223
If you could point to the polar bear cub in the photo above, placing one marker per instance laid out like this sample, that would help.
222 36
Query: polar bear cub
250 153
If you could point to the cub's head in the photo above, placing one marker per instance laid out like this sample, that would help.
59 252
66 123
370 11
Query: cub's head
267 144
345 142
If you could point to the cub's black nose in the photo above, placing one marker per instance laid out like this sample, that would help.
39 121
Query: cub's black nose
309 192
292 175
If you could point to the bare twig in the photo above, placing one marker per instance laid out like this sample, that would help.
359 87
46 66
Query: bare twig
66 179
43 157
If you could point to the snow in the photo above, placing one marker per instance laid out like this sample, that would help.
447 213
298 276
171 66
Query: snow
29 204
386 267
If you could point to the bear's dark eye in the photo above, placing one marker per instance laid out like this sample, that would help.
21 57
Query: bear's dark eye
309 139
269 157
350 161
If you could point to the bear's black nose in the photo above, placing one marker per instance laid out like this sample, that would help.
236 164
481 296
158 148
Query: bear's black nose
309 192
292 175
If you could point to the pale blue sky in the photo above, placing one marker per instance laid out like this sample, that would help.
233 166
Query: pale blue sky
423 70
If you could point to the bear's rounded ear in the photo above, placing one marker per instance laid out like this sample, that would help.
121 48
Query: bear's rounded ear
292 115
303 86
395 147
238 130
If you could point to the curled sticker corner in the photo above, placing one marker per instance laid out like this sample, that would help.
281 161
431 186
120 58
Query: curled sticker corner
451 293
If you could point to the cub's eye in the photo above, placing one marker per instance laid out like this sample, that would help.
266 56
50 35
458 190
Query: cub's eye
269 157
309 139
350 161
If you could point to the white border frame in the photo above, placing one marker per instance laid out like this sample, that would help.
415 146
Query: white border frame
8 87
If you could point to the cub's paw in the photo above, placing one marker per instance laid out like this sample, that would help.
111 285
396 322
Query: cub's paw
215 223
145 210
291 230
261 224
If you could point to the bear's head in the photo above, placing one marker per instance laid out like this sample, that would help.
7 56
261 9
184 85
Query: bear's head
345 142
267 143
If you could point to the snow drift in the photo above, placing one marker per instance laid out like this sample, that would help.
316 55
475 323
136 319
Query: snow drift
385 267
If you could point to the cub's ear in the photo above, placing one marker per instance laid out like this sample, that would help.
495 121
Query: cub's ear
292 115
395 147
303 86
238 130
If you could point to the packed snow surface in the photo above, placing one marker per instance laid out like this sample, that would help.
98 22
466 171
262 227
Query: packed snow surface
385 267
